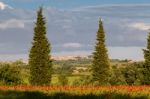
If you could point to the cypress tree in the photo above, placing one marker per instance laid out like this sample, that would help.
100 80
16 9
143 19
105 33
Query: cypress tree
146 69
100 63
39 59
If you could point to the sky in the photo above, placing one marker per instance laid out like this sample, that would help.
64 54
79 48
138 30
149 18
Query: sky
68 4
72 26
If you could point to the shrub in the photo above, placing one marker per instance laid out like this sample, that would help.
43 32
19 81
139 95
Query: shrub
133 73
117 77
10 75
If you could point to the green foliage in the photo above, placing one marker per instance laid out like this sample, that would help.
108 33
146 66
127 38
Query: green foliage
39 58
100 63
117 78
67 66
133 73
83 80
62 79
72 62
146 70
64 68
10 74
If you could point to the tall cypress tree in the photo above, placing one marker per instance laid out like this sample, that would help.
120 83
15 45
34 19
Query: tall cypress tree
146 69
39 58
100 63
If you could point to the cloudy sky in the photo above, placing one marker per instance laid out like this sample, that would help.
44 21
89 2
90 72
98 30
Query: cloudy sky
72 26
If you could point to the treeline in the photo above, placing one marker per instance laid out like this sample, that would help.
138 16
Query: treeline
124 73
101 72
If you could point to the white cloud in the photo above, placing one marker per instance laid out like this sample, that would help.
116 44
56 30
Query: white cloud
3 6
72 45
140 26
12 23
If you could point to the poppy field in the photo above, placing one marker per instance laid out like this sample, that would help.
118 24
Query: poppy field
74 92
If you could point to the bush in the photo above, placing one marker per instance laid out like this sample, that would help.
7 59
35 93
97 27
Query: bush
133 73
10 75
117 78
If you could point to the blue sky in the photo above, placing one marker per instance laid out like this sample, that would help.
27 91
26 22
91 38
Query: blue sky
67 4
72 26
